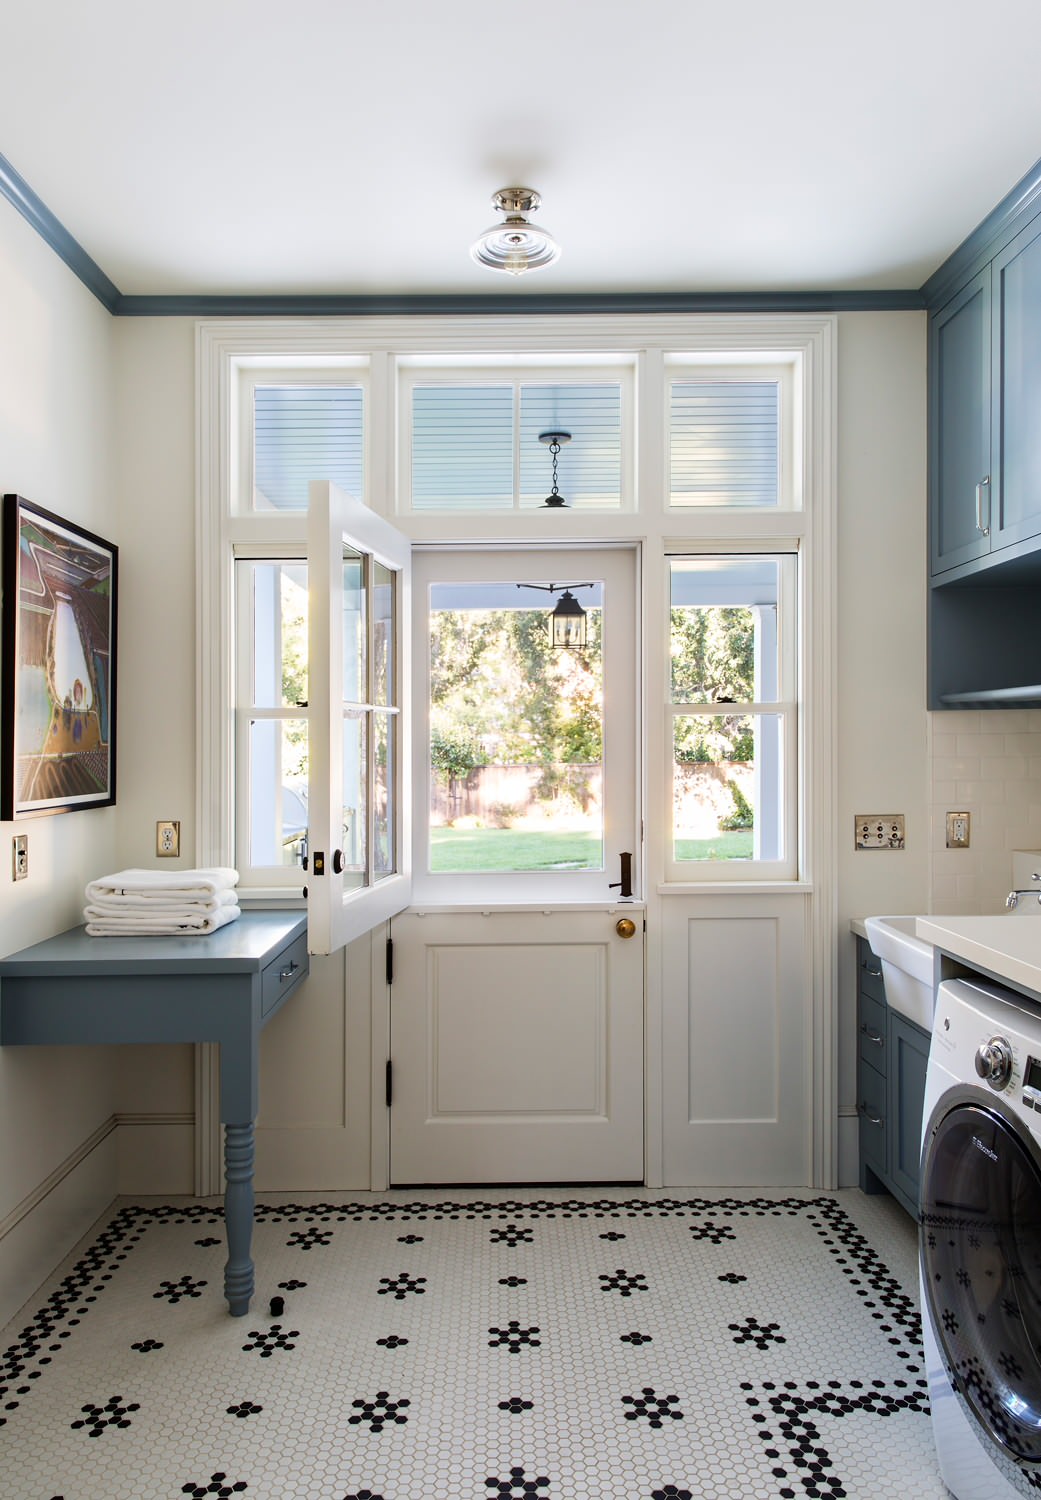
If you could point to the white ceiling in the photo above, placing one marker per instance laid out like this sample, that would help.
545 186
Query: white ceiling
349 146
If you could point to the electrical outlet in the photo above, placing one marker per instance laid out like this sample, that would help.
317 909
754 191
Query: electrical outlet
879 831
958 830
20 856
168 840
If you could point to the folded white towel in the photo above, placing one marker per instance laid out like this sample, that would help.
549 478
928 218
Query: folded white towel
152 884
160 906
146 926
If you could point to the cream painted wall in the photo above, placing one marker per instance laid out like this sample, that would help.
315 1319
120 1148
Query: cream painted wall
883 752
56 448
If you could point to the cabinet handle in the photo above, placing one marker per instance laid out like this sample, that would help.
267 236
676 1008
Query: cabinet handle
872 1035
871 1118
875 973
287 973
983 530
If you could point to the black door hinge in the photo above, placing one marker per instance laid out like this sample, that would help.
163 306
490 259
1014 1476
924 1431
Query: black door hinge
390 1082
390 960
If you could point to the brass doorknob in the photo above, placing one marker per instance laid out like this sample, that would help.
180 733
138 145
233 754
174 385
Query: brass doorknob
625 927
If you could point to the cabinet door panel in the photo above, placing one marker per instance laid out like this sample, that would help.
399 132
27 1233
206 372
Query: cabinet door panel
960 416
907 1062
1017 387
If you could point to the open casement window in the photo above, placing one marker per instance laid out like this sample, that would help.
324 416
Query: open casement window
732 729
358 862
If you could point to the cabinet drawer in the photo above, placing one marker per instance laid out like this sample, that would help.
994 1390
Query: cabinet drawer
871 1031
871 1107
283 974
869 974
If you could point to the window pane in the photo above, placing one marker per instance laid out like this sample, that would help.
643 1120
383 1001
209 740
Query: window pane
724 442
384 728
516 733
302 433
723 630
278 791
727 787
589 467
355 815
382 635
278 595
462 447
355 687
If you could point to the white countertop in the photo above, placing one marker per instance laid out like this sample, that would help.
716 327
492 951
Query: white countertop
1008 947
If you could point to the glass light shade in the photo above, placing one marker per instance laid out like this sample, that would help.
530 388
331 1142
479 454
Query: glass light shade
567 623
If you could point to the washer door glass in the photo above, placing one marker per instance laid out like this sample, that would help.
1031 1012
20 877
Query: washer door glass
981 1263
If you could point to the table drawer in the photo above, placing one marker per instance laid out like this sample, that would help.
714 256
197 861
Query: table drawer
283 974
871 1031
869 973
871 1107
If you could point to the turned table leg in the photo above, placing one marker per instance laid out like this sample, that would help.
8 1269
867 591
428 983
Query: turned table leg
238 1216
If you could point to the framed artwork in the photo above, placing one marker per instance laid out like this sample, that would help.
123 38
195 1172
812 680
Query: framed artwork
58 644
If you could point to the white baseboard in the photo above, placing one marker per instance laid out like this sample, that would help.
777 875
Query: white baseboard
849 1149
41 1230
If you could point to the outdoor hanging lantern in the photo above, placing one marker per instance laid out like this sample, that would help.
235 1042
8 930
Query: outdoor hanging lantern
567 622
567 618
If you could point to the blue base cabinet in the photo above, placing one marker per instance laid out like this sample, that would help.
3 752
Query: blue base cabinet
892 1054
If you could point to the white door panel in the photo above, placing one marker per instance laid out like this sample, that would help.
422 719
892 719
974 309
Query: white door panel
517 1047
736 1001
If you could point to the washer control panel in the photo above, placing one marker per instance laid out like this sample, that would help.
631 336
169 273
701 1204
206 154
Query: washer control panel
1032 1084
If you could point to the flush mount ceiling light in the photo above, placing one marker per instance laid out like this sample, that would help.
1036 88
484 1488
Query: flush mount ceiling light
515 246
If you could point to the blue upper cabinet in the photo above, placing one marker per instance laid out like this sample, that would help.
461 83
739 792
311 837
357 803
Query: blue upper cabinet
984 401
960 478
1016 388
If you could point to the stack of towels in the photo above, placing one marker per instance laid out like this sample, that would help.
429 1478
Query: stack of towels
161 903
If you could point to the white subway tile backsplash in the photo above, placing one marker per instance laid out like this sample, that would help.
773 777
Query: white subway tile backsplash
994 774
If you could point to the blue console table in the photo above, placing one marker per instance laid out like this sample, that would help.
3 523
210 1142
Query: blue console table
223 988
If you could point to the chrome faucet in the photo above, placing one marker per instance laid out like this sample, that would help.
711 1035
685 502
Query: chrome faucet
1012 899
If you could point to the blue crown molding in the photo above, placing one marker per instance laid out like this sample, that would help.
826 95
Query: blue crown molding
510 304
1004 221
17 191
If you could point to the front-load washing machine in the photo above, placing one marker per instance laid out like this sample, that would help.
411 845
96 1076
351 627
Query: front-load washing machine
980 1239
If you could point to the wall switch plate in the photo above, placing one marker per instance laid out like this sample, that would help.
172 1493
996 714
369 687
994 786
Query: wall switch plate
20 856
958 830
168 840
879 831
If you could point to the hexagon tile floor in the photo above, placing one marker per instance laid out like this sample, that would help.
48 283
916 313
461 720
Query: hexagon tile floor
559 1344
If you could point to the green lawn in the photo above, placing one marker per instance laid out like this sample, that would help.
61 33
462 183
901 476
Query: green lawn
460 850
463 849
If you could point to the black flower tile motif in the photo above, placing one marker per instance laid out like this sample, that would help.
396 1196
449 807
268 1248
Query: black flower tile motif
266 1340
245 1409
653 1408
208 1241
392 1341
670 1492
513 1281
623 1283
218 1486
518 1486
636 1339
613 1234
114 1413
401 1285
762 1335
514 1337
146 1346
511 1235
363 1495
714 1233
732 1277
292 1285
516 1405
378 1412
307 1239
173 1291
410 1239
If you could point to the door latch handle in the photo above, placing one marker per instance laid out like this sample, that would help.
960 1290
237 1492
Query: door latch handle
624 887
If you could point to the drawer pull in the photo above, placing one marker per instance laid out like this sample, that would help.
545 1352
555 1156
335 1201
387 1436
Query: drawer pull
870 1117
288 972
875 973
872 1035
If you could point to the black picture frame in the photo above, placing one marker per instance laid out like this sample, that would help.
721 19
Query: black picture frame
58 655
